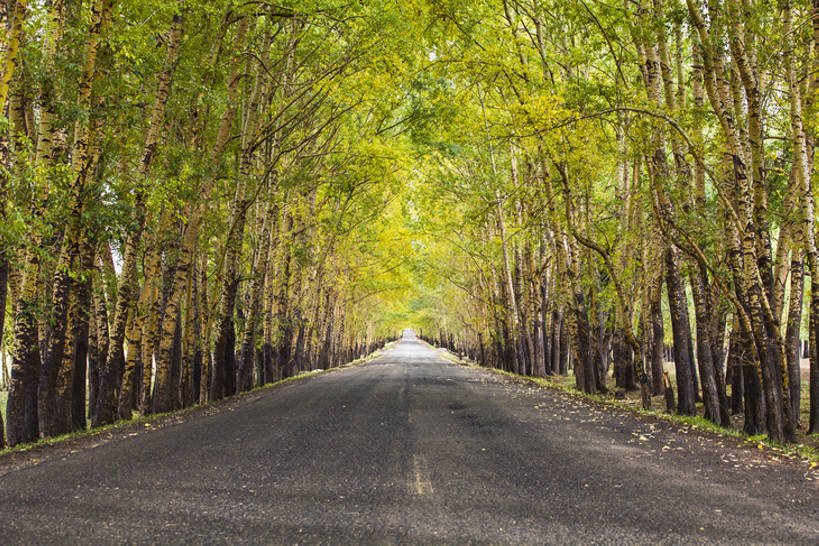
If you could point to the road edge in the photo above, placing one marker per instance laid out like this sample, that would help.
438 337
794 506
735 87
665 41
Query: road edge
46 449
776 452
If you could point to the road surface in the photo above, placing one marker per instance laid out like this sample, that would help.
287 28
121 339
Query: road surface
411 448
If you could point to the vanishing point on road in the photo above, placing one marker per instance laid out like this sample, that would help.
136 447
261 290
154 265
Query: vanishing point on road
410 448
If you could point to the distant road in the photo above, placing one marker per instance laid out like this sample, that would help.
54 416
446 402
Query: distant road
411 448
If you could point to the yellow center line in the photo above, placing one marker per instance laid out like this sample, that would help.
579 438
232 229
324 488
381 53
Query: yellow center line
420 485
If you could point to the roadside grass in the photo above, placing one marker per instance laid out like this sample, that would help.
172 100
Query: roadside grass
154 417
806 446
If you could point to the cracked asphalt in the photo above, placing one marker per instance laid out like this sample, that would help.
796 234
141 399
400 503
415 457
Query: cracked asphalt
412 448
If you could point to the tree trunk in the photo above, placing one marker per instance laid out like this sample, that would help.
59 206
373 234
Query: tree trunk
204 340
681 330
83 322
98 344
703 311
21 414
734 370
657 341
793 344
556 330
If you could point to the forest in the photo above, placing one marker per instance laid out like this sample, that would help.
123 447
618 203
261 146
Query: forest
201 197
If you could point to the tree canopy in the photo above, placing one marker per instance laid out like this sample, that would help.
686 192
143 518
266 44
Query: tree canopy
202 197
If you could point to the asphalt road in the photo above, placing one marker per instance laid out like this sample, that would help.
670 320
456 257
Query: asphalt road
411 448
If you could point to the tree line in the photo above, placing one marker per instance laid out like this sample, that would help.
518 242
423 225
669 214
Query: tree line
192 195
616 170
202 197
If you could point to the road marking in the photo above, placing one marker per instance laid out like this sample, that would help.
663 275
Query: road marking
409 415
420 484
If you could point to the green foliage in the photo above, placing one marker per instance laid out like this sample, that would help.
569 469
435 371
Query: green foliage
414 161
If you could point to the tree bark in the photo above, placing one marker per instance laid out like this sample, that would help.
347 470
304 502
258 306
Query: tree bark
681 330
